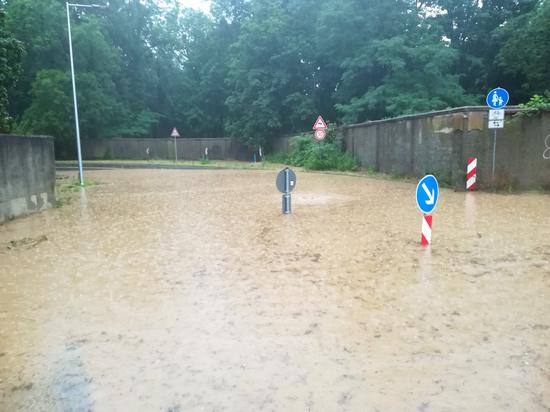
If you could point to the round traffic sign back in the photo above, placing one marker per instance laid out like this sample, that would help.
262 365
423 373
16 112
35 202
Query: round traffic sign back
281 180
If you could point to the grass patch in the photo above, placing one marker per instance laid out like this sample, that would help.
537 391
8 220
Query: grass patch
281 158
66 186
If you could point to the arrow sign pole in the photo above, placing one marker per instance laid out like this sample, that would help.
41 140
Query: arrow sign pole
427 195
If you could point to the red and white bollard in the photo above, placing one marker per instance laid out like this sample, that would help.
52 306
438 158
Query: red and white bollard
471 173
426 230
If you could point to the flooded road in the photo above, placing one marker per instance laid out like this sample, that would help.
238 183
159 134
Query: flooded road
164 290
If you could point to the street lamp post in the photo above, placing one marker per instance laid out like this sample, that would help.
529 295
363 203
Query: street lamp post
89 6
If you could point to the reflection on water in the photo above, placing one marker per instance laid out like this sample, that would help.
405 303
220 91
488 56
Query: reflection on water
425 263
71 385
470 209
84 205
180 290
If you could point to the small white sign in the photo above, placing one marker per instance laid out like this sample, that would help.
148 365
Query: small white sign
319 134
496 114
174 133
496 124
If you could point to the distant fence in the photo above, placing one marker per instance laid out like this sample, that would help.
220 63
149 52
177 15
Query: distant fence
441 142
282 144
436 142
27 175
163 148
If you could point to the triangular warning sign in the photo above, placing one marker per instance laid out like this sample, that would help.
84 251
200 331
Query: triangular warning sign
175 133
320 124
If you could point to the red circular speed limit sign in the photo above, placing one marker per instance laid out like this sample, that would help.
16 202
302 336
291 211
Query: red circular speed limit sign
320 134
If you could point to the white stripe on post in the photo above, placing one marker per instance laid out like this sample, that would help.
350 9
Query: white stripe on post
470 182
426 230
472 165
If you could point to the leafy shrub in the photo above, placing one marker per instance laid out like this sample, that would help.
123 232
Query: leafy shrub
324 155
535 105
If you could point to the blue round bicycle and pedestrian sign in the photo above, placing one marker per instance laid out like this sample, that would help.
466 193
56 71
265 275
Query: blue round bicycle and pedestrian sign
427 193
497 98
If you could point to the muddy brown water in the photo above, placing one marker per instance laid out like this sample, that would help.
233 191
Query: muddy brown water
163 290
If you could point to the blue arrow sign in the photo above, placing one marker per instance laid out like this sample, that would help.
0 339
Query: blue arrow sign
497 98
427 193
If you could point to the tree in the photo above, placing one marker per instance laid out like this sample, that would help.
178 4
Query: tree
256 69
201 92
50 112
112 103
40 26
387 70
525 53
470 26
269 79
129 29
11 52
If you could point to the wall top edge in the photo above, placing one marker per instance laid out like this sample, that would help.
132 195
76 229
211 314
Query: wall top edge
464 109
158 138
18 136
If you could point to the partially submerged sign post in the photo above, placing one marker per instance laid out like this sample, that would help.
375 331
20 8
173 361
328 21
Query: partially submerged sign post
497 99
427 194
175 135
286 183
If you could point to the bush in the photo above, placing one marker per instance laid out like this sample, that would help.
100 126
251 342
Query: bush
535 105
325 155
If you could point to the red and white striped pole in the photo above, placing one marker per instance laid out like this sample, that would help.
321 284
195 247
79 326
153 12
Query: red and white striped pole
471 173
426 230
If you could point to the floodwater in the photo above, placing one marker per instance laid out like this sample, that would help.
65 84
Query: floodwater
163 290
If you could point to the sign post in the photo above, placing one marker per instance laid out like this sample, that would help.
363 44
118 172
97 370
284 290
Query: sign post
471 173
497 99
427 194
320 128
175 135
286 183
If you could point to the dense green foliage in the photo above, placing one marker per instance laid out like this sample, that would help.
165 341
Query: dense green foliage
535 105
11 51
325 155
313 155
256 69
525 54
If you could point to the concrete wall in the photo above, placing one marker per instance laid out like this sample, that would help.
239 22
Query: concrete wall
27 175
188 149
441 142
437 142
